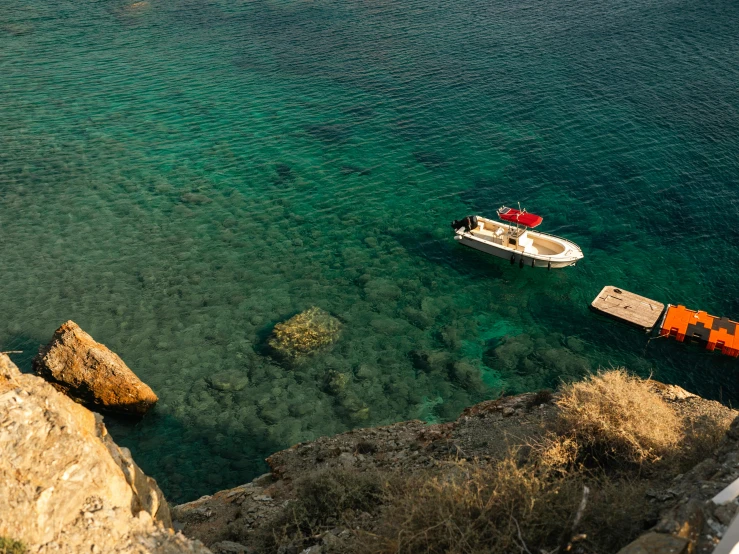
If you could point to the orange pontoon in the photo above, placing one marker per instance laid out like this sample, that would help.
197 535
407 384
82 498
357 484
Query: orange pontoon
683 324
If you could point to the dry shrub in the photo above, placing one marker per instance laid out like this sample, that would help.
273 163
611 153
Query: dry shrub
616 417
506 507
558 454
543 396
703 434
618 512
324 499
473 509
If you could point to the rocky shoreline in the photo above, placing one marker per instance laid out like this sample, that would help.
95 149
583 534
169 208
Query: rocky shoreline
69 488
685 521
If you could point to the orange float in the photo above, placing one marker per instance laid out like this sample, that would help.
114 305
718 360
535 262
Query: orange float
683 324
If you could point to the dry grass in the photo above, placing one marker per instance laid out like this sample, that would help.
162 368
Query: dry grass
619 512
470 509
507 507
558 454
324 499
615 417
702 436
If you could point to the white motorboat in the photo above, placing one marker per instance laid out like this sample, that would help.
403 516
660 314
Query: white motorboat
516 242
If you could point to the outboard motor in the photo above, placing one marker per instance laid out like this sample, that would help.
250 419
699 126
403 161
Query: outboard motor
468 223
458 224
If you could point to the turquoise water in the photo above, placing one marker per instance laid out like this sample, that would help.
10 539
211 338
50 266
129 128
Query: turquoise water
179 176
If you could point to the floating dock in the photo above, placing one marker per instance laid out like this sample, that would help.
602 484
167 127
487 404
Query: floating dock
713 332
677 322
628 307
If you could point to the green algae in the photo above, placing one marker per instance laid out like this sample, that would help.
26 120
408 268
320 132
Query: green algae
11 546
305 334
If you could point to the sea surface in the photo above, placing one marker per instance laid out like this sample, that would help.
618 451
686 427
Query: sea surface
178 176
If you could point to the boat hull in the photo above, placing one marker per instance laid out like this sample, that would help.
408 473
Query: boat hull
530 260
569 255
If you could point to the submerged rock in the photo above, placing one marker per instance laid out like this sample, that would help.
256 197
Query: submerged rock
284 172
336 382
353 169
432 160
91 374
304 334
226 381
195 198
330 133
67 487
17 29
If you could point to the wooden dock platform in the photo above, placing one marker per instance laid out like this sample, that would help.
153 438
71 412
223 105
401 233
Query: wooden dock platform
628 307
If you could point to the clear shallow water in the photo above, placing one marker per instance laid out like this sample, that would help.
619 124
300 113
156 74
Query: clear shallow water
179 176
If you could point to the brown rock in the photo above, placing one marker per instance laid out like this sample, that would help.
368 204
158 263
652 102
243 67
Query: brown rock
147 495
725 513
66 486
9 373
657 543
684 521
90 373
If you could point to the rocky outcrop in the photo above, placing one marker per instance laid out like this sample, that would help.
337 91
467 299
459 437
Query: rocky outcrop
690 520
230 517
147 495
91 374
485 432
66 486
304 334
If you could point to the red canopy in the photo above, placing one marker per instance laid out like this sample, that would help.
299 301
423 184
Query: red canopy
523 217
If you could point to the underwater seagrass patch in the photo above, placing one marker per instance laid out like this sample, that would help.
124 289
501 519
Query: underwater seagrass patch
304 334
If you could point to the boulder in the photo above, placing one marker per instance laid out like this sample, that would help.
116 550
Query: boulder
91 374
304 334
657 543
66 486
228 381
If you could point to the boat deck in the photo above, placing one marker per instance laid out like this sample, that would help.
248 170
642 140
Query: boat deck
538 247
628 307
486 235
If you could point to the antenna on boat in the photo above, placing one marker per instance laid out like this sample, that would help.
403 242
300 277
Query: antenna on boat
519 214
